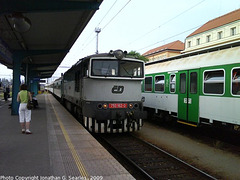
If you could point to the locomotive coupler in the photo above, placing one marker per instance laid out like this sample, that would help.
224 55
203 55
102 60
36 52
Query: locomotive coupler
130 118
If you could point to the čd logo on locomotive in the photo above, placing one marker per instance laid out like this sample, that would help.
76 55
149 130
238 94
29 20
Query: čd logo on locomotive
117 89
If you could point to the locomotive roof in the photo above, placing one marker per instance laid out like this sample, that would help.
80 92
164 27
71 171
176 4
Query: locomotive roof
110 54
211 57
98 55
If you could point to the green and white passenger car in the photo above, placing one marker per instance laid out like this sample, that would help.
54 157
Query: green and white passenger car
197 88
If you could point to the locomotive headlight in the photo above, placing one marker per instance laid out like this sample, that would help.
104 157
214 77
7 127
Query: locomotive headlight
136 105
99 106
119 54
105 106
130 105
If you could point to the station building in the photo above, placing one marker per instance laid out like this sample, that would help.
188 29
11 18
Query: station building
165 51
216 32
221 30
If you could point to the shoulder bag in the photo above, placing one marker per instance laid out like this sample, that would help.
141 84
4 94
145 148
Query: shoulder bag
30 103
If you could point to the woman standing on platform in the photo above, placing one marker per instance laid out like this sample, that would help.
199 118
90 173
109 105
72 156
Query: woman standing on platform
24 114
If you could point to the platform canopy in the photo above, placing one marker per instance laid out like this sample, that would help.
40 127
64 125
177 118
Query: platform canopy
41 31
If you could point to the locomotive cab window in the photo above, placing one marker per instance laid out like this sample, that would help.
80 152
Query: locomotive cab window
84 68
104 68
117 68
131 69
159 83
236 81
214 82
148 84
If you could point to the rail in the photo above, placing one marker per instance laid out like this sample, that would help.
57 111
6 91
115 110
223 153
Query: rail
151 161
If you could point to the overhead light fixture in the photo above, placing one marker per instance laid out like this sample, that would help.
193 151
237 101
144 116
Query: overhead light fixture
20 23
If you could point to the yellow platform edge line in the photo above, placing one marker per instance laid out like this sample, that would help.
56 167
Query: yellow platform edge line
189 124
74 153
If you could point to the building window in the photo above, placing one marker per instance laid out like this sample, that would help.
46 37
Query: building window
220 35
208 39
233 31
189 43
198 41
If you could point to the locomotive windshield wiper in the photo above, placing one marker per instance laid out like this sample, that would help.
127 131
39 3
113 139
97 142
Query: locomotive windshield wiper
131 75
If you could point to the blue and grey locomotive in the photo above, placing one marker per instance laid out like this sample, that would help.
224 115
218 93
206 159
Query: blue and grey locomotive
104 92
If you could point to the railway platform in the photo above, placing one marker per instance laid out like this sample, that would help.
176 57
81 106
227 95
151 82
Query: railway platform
59 148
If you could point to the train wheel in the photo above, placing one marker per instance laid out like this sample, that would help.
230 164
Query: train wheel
111 126
62 100
79 115
95 126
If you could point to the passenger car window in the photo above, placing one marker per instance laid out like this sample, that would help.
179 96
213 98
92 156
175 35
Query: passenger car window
172 83
214 82
148 84
159 83
193 82
236 81
182 83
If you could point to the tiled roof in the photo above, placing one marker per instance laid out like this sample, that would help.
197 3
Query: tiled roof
176 45
220 21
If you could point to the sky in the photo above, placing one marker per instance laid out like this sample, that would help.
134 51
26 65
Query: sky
141 25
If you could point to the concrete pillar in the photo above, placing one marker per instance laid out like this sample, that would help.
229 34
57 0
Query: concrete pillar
17 61
32 84
34 87
29 76
26 74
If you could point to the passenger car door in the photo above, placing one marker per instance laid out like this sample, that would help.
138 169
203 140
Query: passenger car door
188 98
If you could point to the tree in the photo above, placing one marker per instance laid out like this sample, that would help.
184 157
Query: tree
138 56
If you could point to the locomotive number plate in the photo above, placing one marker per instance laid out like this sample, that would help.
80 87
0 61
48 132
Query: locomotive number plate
117 105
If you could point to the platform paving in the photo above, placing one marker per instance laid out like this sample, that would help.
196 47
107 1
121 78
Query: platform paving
59 148
22 154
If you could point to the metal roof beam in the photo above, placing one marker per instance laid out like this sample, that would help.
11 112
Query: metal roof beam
26 53
46 68
29 6
44 65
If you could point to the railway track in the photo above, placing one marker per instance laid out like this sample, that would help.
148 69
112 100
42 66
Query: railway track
153 162
207 134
